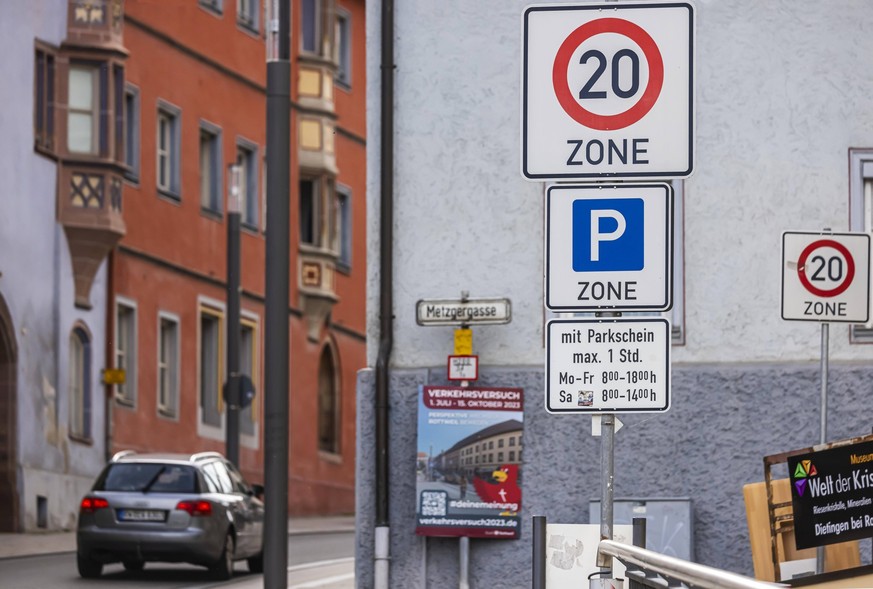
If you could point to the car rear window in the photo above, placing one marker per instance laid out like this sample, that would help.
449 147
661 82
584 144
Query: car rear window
148 478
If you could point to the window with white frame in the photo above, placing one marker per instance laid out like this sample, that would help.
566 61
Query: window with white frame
79 384
211 366
861 217
168 365
167 157
210 168
247 160
83 114
212 5
248 357
310 25
318 212
131 132
125 352
344 227
247 13
343 49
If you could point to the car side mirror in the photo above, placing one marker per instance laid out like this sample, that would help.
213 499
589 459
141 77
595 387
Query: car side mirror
258 491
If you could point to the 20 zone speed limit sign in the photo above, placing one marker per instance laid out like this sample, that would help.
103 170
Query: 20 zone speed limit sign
608 90
826 276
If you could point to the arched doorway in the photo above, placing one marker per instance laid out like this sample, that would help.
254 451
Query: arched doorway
8 435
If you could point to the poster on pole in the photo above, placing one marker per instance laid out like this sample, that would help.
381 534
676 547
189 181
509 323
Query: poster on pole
468 468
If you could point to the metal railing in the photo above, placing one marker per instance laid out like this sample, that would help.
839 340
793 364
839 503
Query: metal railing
652 569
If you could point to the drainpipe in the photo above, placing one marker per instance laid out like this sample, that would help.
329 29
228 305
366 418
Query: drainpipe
386 299
109 351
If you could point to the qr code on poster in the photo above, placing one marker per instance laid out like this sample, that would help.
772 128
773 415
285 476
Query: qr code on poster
433 503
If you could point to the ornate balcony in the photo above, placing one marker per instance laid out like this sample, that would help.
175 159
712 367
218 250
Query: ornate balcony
89 208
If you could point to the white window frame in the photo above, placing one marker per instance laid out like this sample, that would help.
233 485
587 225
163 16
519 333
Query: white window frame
343 49
252 321
861 218
214 6
93 112
126 352
210 306
247 14
317 32
247 160
167 152
167 406
132 133
213 201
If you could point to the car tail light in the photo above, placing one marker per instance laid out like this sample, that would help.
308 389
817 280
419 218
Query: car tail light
195 508
92 504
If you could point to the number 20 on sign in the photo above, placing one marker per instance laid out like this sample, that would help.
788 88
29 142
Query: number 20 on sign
608 90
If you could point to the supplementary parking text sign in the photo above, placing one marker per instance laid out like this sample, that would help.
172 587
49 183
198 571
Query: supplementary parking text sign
609 247
608 90
608 365
826 277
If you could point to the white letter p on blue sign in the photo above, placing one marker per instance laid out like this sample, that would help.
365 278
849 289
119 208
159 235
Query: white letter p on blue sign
608 235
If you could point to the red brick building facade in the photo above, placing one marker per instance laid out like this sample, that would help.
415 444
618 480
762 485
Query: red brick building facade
195 104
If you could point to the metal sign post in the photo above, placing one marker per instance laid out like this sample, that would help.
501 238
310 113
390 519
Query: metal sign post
825 334
825 278
607 487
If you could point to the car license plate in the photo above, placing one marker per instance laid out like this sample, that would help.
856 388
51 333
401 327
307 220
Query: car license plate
141 515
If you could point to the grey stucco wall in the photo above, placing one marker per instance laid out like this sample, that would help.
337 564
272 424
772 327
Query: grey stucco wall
781 96
780 100
724 420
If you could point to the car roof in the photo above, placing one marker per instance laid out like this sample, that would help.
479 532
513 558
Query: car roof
128 456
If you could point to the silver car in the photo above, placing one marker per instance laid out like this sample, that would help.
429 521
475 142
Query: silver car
170 508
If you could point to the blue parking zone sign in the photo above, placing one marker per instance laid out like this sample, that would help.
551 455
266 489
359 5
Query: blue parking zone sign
609 246
608 235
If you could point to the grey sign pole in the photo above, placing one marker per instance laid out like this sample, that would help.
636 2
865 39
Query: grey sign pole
464 575
825 335
277 359
464 541
232 398
607 488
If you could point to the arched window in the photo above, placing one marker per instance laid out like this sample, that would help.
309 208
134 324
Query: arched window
328 404
79 383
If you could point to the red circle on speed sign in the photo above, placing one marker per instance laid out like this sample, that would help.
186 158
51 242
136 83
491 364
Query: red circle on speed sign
850 268
649 96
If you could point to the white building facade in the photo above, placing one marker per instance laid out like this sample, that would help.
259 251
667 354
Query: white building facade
783 141
52 308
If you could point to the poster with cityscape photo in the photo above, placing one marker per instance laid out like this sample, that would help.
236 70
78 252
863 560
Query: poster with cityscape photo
468 469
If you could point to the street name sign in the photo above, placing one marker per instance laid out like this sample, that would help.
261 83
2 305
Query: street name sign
609 247
608 365
463 311
826 277
608 90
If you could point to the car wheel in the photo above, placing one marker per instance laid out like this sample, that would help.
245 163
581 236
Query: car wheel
88 567
222 570
133 565
256 563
